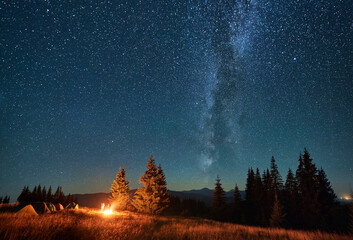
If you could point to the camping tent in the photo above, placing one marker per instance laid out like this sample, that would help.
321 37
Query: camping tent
28 210
72 205
51 207
41 207
59 207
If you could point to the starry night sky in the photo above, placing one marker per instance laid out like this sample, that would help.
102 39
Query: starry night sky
208 87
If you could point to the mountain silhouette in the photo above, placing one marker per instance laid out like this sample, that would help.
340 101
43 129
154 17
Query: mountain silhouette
94 200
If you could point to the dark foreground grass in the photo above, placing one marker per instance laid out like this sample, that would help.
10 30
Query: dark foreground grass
87 224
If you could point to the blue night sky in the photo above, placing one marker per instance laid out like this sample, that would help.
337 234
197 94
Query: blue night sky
208 87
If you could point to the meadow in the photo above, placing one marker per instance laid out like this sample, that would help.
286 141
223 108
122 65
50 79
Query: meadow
90 224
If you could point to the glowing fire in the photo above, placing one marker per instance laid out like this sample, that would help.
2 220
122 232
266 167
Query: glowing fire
347 197
106 210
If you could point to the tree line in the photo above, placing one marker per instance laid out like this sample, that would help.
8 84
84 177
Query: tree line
6 199
305 200
39 194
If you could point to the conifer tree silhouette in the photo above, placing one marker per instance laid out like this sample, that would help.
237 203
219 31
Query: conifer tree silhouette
43 194
307 185
25 196
236 205
38 193
259 217
6 199
291 199
59 196
249 197
326 199
267 195
218 201
119 194
49 195
34 194
277 183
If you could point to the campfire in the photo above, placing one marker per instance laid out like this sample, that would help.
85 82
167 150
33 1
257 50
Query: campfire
106 210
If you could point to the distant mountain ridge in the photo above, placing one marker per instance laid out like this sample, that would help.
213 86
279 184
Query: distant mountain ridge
94 200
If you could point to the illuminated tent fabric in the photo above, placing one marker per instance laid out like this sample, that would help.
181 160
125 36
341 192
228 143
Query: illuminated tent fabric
51 207
28 210
59 207
41 207
72 206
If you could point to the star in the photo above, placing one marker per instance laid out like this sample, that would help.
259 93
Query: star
206 87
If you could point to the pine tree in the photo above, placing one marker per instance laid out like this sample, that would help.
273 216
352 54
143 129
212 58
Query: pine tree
249 188
39 193
147 199
49 195
56 196
162 190
34 194
307 188
59 196
310 176
291 198
277 183
119 195
44 194
266 180
6 199
326 199
236 206
258 193
218 202
290 185
277 216
299 174
267 195
249 197
25 196
257 185
326 195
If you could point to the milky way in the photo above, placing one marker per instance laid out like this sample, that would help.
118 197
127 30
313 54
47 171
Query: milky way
208 87
229 39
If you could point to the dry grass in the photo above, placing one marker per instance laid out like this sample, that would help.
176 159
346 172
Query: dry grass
87 224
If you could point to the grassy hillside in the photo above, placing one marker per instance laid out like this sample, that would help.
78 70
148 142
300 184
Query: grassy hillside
89 224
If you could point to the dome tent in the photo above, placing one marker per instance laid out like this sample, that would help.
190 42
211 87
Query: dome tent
59 207
29 210
72 205
41 207
51 207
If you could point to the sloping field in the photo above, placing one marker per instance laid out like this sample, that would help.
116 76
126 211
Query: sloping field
88 224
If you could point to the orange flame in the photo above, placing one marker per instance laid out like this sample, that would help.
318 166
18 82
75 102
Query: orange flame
106 210
347 197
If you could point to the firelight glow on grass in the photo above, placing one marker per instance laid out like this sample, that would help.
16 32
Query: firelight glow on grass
128 225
